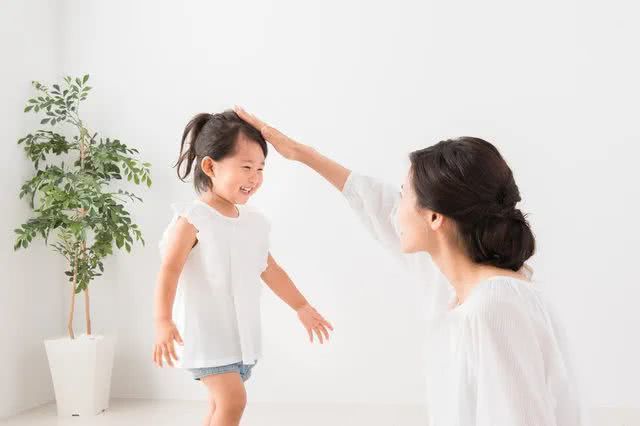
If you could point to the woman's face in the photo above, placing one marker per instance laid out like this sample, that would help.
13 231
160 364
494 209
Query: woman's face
416 225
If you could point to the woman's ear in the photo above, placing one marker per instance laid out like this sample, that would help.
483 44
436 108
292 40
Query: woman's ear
208 166
435 220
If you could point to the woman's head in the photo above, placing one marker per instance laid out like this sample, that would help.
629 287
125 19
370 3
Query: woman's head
461 191
225 154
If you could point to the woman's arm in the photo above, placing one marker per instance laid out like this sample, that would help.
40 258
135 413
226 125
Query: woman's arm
333 172
375 203
279 282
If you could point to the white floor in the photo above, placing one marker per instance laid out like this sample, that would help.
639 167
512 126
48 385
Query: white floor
129 412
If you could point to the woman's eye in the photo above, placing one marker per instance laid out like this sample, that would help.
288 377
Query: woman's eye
246 167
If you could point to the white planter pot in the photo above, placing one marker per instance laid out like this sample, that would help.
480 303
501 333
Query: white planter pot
81 373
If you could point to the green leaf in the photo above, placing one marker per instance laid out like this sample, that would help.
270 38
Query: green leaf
86 77
44 121
27 109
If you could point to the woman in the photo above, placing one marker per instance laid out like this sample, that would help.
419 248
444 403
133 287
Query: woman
495 356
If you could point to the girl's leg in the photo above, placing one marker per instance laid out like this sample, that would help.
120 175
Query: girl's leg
212 409
229 396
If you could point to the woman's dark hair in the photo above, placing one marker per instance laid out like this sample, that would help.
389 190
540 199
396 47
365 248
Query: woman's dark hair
467 179
214 136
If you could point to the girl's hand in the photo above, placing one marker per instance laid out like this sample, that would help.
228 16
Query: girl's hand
314 322
166 334
286 146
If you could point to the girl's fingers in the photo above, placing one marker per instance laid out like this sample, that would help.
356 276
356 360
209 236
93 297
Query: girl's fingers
173 351
324 331
323 321
319 335
167 354
159 355
310 334
178 338
327 324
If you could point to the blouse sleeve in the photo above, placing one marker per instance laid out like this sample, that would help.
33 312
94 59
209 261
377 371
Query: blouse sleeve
376 204
192 212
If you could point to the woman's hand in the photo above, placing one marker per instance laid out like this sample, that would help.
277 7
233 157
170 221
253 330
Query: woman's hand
285 146
314 323
166 334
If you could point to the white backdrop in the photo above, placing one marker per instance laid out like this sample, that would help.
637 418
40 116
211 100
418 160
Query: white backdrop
31 300
552 84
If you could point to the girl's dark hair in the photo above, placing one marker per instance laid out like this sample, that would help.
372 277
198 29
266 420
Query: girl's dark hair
214 136
467 180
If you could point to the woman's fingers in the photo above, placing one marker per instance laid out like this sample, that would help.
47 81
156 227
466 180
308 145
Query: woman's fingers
268 132
310 334
250 118
319 334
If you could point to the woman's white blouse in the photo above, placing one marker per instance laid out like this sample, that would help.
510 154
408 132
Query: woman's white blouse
217 303
498 358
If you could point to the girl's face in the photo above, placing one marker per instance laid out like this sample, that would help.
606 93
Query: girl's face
417 226
237 177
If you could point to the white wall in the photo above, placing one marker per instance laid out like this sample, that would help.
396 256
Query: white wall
32 286
553 84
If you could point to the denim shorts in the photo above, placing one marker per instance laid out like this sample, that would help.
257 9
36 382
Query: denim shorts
243 369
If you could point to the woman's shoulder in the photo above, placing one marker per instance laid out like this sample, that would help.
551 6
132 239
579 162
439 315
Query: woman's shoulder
502 298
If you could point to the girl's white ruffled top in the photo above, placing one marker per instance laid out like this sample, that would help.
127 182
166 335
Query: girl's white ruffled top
217 303
498 359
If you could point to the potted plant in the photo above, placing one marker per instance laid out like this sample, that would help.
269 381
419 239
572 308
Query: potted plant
81 215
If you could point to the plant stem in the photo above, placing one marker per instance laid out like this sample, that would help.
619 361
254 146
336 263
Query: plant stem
73 297
87 308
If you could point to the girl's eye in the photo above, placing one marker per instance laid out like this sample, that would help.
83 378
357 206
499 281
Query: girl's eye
246 167
260 170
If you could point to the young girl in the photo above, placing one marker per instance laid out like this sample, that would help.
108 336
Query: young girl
214 252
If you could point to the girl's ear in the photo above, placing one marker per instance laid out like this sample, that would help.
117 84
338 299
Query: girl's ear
208 166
